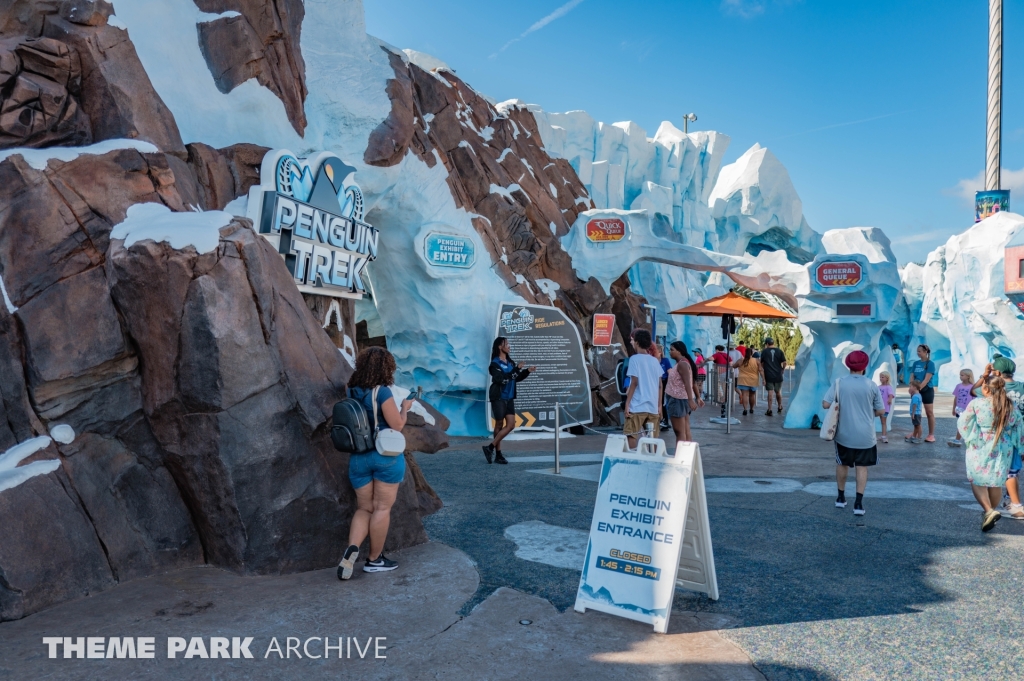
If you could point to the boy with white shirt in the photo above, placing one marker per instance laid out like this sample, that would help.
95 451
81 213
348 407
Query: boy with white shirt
643 397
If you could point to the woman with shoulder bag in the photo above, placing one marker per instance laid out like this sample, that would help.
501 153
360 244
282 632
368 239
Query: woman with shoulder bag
504 375
374 474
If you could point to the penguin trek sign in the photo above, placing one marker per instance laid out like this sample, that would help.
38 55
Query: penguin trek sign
310 211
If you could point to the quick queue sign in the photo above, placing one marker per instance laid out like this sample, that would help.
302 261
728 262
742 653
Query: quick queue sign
600 230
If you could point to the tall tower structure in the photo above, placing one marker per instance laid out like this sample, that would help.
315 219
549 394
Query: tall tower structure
993 136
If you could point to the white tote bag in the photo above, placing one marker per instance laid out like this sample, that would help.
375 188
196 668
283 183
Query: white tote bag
389 442
831 423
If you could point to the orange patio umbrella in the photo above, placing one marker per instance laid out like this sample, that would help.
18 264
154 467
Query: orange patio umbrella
730 306
735 305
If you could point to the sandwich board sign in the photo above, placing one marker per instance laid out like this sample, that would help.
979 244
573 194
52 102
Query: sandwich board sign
649 534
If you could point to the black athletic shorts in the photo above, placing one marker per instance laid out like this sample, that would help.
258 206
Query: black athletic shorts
928 395
847 456
502 408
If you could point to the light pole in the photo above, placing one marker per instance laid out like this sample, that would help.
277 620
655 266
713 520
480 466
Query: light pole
692 117
995 95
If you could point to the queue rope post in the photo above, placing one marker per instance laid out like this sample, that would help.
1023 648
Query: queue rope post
558 431
728 377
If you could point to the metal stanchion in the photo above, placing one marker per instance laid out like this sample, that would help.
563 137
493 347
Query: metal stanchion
558 430
728 397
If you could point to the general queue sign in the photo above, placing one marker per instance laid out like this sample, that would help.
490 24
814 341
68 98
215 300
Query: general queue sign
313 214
601 230
838 273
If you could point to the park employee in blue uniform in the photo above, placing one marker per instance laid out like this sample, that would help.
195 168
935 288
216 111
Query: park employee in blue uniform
504 375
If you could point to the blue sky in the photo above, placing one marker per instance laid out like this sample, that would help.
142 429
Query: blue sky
877 108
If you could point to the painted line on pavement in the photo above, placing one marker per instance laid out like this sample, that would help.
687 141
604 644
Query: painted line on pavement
879 489
565 458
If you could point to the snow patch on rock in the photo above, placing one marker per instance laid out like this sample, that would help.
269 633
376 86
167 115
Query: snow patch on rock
11 475
62 433
38 158
156 222
549 287
239 207
7 299
206 17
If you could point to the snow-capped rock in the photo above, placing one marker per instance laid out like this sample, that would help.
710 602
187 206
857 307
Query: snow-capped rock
965 317
756 207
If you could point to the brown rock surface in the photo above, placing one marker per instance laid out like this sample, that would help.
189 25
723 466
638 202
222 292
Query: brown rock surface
262 42
199 386
117 94
40 82
68 78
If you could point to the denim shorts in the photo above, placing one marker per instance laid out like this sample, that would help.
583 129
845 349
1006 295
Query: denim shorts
364 468
1015 465
677 408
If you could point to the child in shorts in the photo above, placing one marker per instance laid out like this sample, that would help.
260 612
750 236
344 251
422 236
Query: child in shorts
916 408
888 394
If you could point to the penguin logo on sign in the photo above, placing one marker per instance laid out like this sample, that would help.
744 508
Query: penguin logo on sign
327 191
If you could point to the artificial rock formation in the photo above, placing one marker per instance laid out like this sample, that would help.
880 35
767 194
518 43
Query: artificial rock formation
523 199
199 385
259 39
68 78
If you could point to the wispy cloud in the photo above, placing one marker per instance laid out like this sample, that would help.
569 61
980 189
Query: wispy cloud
919 238
541 23
847 123
964 189
744 8
748 9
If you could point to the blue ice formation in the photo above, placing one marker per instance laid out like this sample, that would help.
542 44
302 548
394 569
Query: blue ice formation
963 314
746 207
828 336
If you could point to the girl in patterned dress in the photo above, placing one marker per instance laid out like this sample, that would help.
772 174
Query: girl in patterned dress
992 428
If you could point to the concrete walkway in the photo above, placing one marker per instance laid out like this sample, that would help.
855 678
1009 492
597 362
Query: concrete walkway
414 611
913 590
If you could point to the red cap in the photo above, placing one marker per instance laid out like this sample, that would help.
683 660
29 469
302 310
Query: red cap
857 360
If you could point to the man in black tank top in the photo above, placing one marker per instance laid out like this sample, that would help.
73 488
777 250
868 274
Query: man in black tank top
773 367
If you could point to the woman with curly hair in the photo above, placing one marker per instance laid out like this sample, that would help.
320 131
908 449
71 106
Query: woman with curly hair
374 476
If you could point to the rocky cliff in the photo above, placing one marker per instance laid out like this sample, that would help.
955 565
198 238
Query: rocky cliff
166 390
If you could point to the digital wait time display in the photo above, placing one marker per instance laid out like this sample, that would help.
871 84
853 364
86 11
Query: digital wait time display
854 310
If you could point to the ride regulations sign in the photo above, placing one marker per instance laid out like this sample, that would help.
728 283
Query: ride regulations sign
544 337
649 534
